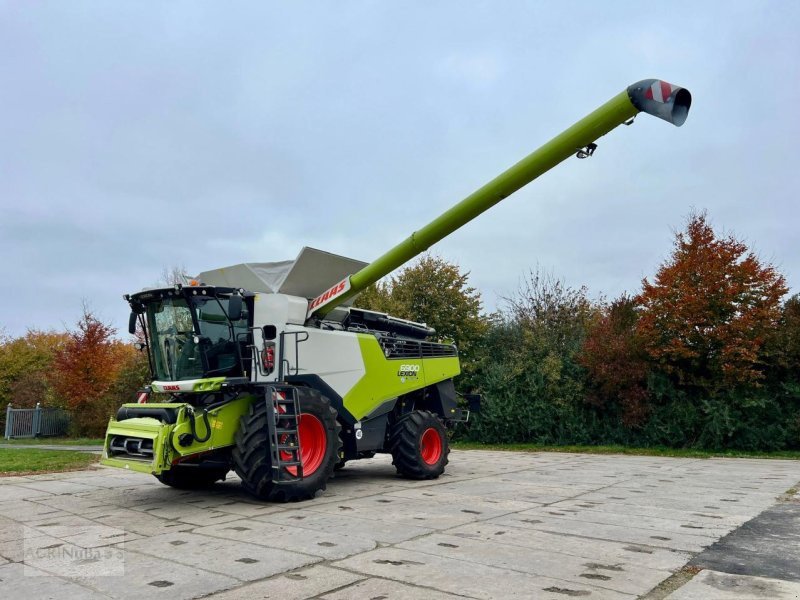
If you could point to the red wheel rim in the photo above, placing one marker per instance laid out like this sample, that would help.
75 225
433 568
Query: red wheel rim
313 443
430 446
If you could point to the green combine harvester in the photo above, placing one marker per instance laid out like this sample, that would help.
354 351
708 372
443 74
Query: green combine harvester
271 372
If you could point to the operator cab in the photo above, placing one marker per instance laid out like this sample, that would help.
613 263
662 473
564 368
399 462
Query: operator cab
194 332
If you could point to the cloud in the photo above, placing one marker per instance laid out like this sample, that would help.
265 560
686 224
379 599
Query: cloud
134 138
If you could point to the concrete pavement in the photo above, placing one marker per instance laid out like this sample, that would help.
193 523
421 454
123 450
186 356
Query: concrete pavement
496 525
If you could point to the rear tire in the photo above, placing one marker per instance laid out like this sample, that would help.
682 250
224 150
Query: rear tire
191 478
251 454
419 446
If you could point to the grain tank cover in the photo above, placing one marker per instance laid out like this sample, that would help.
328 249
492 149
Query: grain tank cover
310 274
253 277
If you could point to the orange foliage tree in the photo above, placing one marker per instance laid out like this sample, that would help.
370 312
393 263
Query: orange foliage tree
616 364
86 370
709 311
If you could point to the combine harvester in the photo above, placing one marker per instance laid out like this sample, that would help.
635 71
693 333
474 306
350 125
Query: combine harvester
270 372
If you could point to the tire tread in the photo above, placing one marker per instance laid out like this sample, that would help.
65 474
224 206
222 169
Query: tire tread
404 446
251 454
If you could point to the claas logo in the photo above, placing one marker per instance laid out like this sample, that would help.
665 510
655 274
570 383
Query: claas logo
331 293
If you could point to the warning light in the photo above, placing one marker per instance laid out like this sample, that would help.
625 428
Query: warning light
268 358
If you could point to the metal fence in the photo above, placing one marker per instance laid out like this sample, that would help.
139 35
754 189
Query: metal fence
35 422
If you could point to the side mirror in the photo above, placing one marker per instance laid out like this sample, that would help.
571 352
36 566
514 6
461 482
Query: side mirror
269 332
235 308
132 323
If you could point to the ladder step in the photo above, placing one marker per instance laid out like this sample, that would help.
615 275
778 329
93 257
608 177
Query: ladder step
284 406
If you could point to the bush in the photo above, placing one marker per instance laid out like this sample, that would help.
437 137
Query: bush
528 371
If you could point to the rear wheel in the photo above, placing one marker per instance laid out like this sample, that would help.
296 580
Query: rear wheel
319 450
191 478
419 445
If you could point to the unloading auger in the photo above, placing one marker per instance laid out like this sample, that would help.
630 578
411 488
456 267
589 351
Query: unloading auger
265 368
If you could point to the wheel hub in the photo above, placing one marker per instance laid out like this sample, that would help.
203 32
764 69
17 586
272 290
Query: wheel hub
430 446
313 442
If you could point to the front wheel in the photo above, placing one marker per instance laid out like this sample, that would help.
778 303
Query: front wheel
319 450
419 445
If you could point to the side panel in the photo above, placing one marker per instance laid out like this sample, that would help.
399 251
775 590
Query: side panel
354 367
334 356
385 379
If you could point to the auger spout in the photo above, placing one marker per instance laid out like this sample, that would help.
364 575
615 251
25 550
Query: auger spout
652 96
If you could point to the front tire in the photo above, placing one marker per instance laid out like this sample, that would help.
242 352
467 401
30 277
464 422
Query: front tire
319 450
419 445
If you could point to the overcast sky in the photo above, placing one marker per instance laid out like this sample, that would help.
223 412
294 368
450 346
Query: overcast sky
136 136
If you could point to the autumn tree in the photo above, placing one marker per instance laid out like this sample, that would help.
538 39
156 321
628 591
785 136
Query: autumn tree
709 310
616 363
435 292
86 369
25 362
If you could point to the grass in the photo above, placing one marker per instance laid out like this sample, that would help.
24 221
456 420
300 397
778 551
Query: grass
23 461
54 441
654 451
